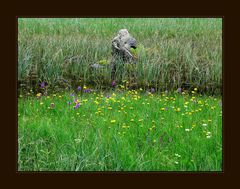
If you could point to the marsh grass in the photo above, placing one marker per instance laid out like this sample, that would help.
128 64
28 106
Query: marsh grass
172 51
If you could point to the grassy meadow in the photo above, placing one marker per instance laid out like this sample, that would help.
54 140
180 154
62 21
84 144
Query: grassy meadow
120 131
73 118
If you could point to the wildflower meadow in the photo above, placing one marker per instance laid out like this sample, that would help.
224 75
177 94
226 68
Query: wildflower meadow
162 114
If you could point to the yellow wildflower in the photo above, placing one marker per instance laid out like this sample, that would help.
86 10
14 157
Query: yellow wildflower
178 109
39 94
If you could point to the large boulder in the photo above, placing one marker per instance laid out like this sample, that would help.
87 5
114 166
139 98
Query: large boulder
121 46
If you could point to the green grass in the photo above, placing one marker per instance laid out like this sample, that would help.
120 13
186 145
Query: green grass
171 51
130 131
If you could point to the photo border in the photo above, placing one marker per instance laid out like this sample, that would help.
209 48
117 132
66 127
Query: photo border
179 9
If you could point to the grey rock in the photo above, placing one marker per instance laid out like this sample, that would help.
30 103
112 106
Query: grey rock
97 66
121 45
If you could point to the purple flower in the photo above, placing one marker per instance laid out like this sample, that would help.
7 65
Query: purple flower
87 90
113 83
179 90
152 90
42 85
166 108
72 94
79 88
69 102
76 106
